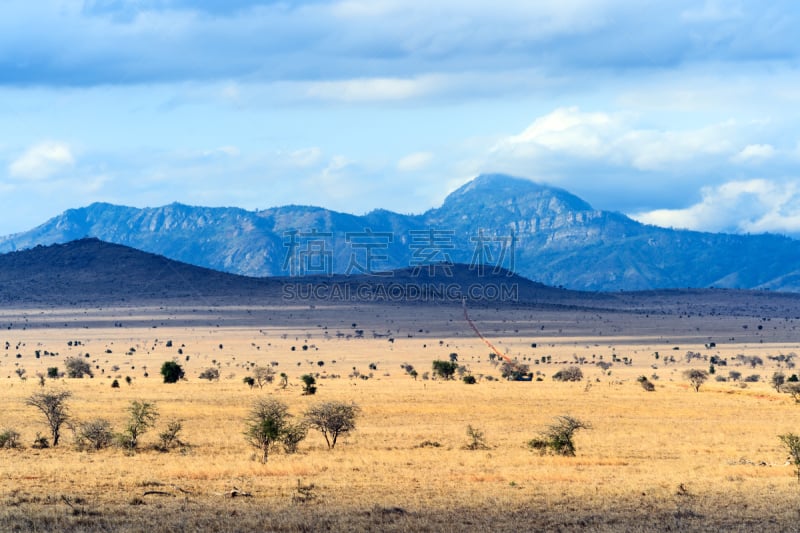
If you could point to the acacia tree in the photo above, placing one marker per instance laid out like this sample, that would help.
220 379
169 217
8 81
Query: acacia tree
53 406
696 378
263 375
267 424
333 419
143 417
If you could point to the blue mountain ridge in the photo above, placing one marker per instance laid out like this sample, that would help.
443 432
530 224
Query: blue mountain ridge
540 232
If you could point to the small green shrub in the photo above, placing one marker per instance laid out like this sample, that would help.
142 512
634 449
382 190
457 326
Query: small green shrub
94 435
477 439
9 438
469 380
557 439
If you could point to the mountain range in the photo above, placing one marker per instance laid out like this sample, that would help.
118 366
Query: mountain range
492 223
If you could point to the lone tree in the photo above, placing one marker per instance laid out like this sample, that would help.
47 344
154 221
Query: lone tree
444 369
94 434
171 371
268 424
143 416
778 380
309 384
696 378
263 375
77 367
53 406
333 419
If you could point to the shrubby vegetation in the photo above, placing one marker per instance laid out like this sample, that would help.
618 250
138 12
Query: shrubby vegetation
171 371
571 373
76 368
444 369
557 439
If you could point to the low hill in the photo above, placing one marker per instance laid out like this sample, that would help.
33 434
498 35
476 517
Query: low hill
90 272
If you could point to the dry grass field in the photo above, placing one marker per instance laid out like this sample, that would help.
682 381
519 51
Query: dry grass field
673 459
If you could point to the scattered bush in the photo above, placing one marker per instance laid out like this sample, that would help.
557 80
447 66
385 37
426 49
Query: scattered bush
53 373
293 436
333 419
558 437
515 371
646 384
143 416
477 439
40 442
309 384
571 373
444 369
94 435
211 374
753 378
469 380
9 438
792 389
778 380
171 371
169 437
77 367
249 381
263 375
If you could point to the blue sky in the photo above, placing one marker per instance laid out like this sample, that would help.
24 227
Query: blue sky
679 113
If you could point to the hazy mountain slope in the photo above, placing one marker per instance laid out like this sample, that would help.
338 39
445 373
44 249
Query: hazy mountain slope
541 232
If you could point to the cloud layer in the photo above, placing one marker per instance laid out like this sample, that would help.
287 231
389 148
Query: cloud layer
684 114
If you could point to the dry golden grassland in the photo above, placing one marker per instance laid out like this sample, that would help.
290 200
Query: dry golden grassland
673 459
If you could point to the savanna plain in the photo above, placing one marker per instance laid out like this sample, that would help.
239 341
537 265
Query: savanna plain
671 459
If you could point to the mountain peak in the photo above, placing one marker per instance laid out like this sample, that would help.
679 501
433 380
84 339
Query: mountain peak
503 188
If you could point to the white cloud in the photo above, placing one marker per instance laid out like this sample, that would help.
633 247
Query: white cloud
751 206
755 152
415 161
42 161
305 157
616 139
373 89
